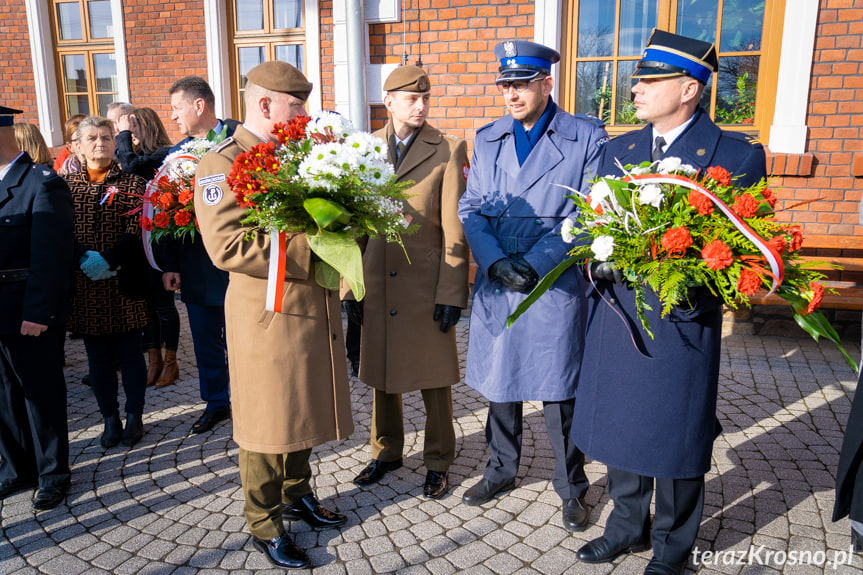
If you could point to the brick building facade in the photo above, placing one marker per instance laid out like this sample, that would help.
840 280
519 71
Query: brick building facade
454 39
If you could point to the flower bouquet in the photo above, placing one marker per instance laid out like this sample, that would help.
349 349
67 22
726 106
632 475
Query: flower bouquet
668 228
325 179
168 201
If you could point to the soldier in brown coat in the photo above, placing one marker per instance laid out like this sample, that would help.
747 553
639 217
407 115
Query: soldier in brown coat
289 382
410 308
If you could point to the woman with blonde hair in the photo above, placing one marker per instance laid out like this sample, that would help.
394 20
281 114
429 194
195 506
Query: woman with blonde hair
30 140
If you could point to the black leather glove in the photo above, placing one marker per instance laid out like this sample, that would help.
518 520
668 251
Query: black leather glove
526 270
448 315
505 271
354 310
606 271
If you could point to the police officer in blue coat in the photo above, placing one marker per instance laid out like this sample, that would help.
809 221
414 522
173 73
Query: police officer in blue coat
652 420
510 213
36 262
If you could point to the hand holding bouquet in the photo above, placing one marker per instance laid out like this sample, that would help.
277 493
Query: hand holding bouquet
668 228
329 181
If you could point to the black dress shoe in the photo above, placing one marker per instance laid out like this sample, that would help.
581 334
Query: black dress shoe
49 497
574 514
436 484
312 512
13 487
601 550
111 434
375 471
282 551
209 419
134 430
856 541
485 490
657 567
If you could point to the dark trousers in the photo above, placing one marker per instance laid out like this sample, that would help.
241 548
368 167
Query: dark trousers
207 324
34 434
163 320
679 505
353 336
268 480
503 432
104 354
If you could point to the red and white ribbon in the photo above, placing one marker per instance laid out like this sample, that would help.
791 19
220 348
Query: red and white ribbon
777 267
276 274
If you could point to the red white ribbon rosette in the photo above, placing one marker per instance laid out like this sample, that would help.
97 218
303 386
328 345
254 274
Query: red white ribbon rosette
276 273
777 267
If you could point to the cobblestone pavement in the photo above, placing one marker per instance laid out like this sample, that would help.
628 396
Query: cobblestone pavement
173 503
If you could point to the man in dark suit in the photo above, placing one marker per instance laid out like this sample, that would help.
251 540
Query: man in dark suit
652 420
36 260
187 264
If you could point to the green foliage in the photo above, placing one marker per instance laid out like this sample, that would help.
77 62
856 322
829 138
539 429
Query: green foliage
740 107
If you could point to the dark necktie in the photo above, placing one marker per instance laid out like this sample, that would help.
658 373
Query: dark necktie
658 144
401 149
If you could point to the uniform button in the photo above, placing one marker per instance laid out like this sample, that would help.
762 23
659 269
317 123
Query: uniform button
393 312
538 221
393 273
497 291
612 301
334 337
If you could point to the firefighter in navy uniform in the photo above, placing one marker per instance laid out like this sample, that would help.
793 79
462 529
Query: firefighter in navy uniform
36 262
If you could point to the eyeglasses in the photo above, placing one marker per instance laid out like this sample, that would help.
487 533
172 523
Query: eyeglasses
519 85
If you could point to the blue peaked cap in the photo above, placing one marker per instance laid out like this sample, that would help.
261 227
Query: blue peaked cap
667 55
521 60
6 115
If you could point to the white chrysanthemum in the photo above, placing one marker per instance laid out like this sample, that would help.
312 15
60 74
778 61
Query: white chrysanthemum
367 145
375 172
638 170
598 192
340 126
566 230
668 165
651 194
688 170
602 247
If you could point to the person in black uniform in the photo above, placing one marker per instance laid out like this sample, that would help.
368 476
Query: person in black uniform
652 420
36 262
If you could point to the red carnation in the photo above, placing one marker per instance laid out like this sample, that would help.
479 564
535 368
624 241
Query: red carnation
769 197
147 223
701 203
748 283
185 197
162 220
166 199
796 233
182 217
817 296
745 205
293 130
719 174
676 240
778 243
717 255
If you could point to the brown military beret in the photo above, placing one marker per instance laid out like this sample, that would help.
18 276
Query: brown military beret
280 77
408 79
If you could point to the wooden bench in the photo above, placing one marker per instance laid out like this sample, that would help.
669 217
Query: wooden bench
844 251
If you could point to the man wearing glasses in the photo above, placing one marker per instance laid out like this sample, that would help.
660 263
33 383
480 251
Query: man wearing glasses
511 213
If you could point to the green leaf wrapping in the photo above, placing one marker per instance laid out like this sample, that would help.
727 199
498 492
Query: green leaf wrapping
325 212
341 252
542 287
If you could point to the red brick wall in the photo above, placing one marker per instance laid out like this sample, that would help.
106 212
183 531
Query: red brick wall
454 39
17 87
328 98
835 117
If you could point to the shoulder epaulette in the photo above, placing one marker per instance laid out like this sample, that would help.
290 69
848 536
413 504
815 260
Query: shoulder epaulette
599 123
224 143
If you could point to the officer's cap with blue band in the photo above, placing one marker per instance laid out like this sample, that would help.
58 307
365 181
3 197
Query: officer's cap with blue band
667 55
521 60
6 115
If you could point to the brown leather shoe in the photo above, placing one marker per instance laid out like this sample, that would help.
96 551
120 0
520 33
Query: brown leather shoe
154 365
170 370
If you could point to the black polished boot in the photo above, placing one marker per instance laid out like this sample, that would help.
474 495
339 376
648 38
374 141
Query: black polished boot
113 429
134 429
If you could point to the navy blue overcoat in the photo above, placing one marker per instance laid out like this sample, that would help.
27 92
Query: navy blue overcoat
657 417
509 211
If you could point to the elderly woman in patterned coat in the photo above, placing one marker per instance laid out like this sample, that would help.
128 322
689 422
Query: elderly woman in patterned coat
109 252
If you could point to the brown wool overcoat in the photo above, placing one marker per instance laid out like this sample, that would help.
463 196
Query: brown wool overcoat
289 382
402 347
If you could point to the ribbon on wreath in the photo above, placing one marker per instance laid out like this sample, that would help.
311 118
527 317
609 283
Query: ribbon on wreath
276 272
777 267
151 195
